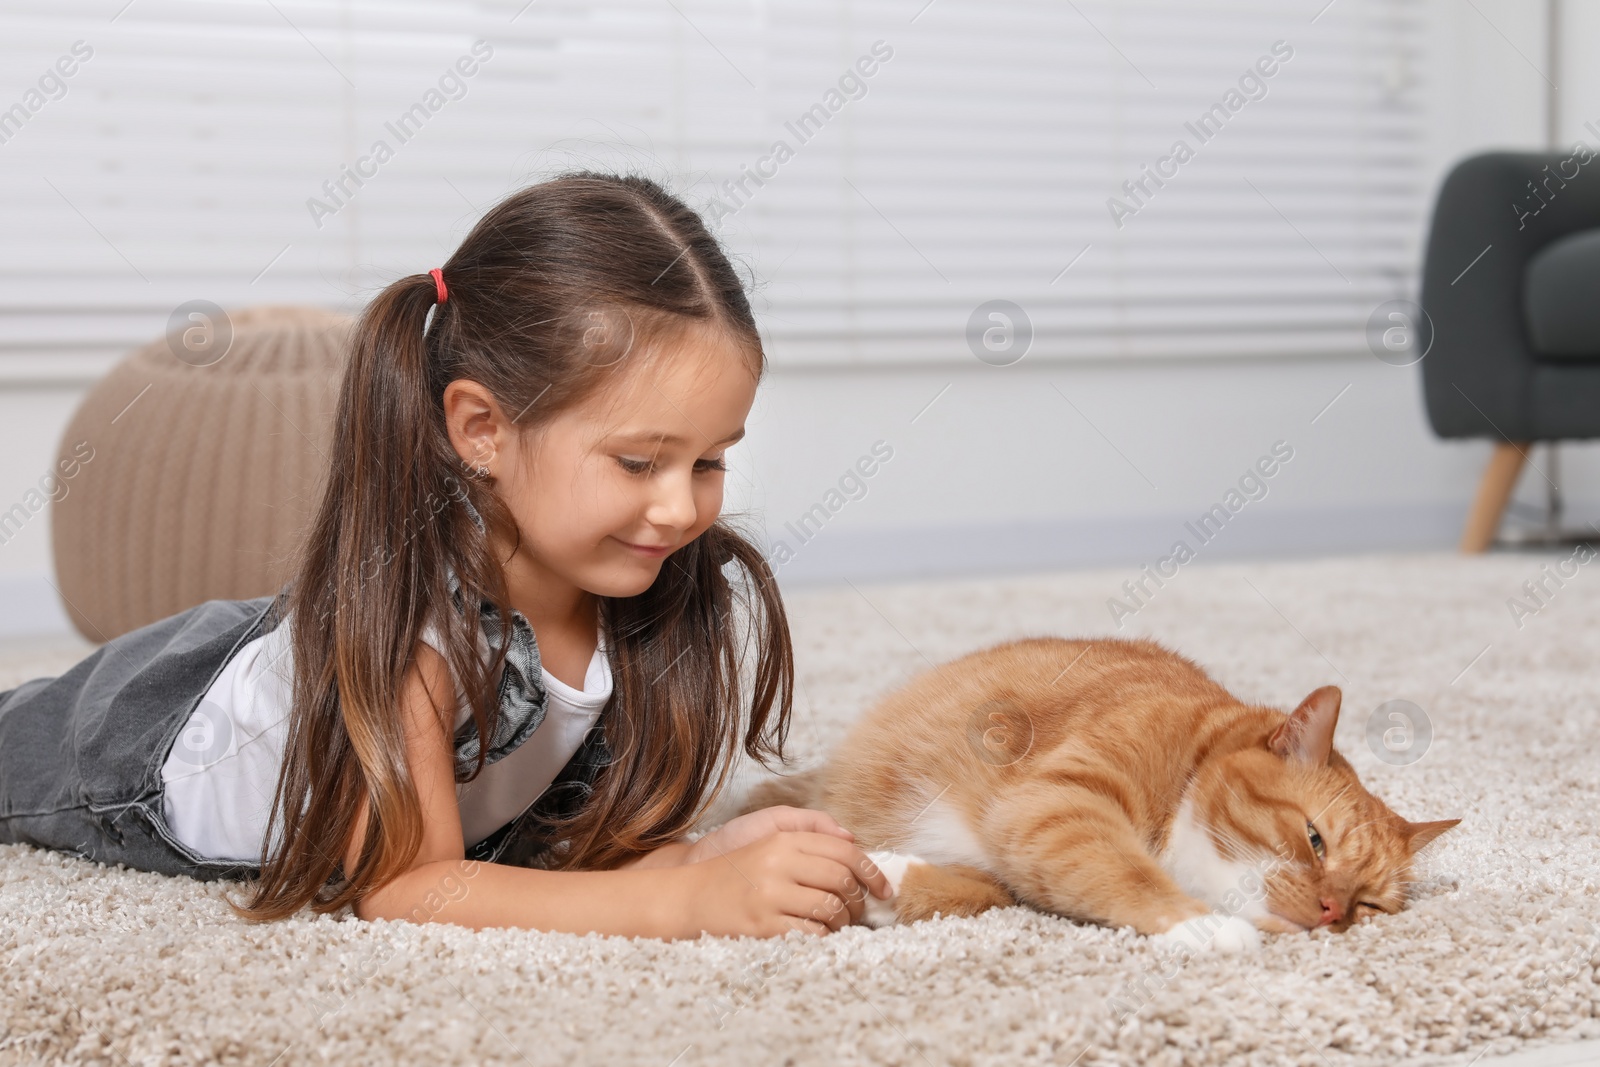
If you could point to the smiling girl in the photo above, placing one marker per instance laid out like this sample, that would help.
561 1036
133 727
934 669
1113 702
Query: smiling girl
520 651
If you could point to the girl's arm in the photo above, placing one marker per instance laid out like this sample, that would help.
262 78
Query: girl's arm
738 832
443 885
754 825
785 879
672 854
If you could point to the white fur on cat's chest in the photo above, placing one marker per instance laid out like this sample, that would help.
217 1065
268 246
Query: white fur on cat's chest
939 835
1192 859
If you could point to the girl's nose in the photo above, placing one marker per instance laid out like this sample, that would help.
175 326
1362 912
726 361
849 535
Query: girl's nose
1332 911
674 506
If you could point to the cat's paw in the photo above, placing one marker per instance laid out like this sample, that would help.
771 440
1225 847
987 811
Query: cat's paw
1212 933
893 865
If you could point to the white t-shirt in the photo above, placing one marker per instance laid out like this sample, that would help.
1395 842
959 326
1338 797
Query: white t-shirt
223 768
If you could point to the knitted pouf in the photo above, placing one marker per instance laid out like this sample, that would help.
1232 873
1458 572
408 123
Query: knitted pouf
190 471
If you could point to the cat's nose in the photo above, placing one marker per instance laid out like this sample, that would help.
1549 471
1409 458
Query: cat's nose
1332 911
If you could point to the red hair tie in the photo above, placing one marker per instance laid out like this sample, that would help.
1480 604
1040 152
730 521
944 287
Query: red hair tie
438 285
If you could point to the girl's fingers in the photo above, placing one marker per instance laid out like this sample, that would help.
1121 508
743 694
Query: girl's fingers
810 926
843 852
834 878
816 905
808 820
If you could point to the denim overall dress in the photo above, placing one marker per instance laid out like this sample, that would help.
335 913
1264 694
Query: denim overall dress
81 754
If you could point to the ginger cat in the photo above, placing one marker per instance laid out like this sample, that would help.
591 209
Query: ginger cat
1111 781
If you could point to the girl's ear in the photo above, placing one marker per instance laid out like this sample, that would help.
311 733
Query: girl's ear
1307 735
474 421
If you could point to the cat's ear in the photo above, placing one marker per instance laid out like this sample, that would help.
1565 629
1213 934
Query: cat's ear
1419 834
1307 734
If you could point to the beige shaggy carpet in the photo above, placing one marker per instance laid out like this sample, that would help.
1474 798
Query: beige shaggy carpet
1498 953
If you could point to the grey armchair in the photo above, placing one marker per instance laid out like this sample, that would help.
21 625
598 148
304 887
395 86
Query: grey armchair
1511 282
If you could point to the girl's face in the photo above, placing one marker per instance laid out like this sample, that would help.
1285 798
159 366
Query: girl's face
606 490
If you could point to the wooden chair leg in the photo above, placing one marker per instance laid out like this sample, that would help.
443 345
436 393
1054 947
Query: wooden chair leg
1499 478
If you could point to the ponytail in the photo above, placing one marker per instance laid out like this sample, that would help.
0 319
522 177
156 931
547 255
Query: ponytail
375 558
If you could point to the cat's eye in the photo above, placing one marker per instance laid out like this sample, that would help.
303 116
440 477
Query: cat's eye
1317 845
1369 904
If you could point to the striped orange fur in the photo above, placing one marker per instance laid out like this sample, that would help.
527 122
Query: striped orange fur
1113 781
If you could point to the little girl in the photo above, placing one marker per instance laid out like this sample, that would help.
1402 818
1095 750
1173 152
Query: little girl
375 735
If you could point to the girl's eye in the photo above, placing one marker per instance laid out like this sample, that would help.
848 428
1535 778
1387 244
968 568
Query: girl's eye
1316 841
642 466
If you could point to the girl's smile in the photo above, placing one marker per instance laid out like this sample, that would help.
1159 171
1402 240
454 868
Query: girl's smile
648 551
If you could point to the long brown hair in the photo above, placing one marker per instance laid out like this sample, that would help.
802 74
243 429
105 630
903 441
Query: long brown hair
526 290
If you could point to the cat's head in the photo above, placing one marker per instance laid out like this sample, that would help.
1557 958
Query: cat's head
1329 852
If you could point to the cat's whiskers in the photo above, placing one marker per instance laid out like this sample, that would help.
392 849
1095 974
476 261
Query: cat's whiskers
1243 849
1234 847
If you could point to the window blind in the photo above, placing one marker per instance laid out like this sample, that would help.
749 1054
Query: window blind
935 156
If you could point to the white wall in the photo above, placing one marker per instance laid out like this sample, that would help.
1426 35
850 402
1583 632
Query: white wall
1001 473
32 420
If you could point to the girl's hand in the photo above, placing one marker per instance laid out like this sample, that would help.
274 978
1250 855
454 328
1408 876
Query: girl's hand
752 827
784 880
